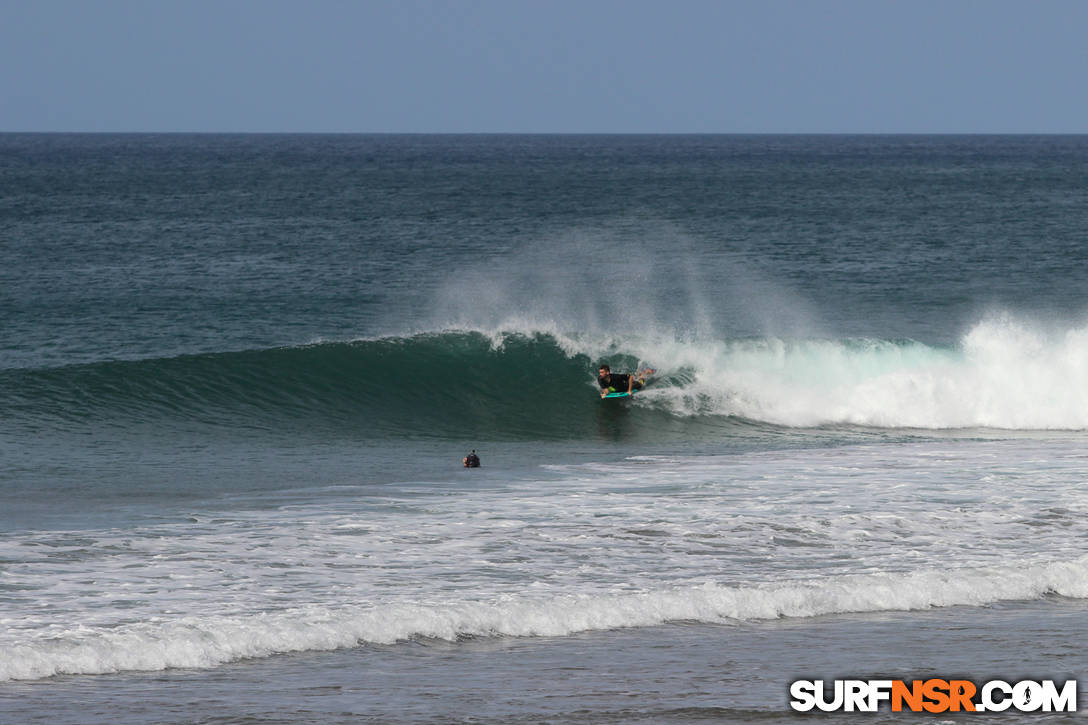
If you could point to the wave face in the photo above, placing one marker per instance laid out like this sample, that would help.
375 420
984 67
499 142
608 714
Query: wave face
531 385
425 385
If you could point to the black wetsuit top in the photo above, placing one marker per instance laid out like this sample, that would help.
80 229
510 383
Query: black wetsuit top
619 381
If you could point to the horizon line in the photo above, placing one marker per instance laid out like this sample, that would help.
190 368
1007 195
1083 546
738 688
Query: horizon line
540 133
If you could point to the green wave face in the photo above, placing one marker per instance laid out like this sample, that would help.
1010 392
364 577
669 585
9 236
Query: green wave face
441 385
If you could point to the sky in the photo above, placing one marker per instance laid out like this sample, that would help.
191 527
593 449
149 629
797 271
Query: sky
545 66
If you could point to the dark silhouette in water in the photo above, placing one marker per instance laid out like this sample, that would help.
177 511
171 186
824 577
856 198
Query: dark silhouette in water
471 460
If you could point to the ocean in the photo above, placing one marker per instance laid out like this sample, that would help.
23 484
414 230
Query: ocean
238 374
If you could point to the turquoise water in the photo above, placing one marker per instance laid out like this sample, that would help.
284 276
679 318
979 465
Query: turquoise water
238 374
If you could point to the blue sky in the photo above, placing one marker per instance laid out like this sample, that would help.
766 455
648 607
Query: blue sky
624 66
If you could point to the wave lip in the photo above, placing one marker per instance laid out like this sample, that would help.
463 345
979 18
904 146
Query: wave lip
204 642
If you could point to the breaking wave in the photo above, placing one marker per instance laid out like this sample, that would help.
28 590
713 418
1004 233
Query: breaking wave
539 384
202 642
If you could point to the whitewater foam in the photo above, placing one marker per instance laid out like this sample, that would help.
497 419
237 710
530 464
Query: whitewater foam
202 642
1004 374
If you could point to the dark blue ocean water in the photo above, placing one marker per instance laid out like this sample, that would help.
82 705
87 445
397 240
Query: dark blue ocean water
122 247
238 373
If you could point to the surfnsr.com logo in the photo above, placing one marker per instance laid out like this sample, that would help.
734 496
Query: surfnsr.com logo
933 695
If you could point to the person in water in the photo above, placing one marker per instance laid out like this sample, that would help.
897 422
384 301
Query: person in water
471 460
621 382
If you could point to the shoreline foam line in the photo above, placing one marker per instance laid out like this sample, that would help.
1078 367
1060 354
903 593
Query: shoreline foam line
205 642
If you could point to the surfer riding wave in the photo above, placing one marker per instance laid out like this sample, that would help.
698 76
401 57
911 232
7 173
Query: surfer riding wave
621 382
